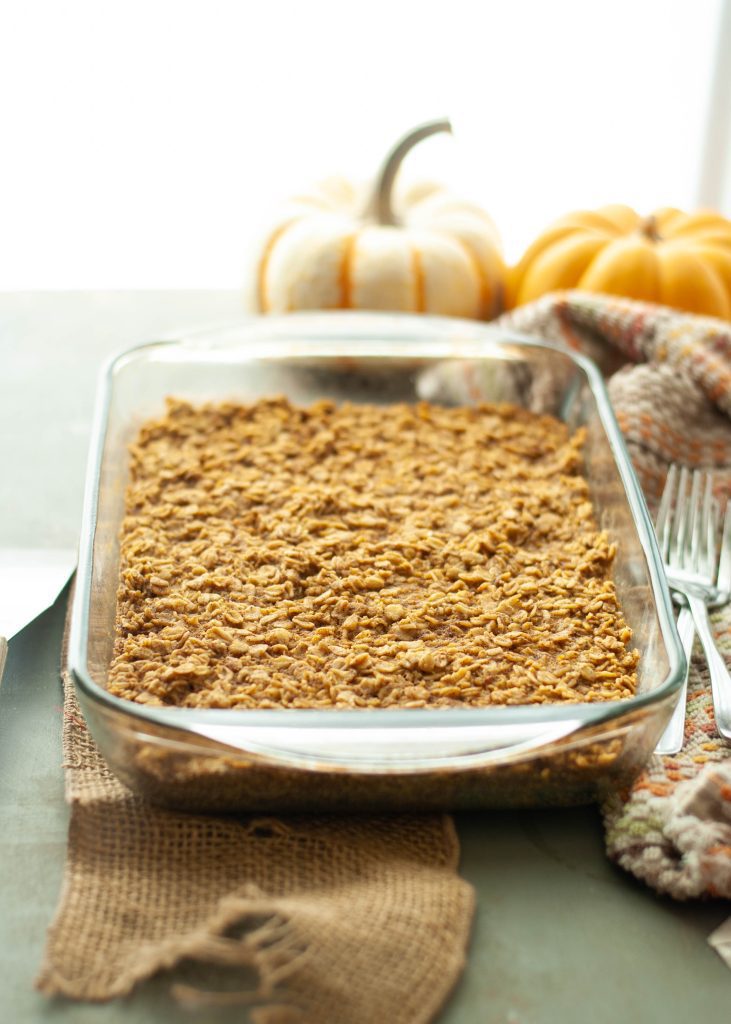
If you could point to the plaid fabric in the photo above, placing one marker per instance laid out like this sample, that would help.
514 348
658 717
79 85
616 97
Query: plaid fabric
670 385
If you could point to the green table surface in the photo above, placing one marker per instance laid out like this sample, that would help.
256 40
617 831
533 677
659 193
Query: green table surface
560 934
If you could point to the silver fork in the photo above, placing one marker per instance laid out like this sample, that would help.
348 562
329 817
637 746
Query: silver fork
686 527
671 741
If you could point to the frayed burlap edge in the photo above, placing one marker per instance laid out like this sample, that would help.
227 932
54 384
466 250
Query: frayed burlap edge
299 920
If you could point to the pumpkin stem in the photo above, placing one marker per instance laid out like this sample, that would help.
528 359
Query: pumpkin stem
648 228
380 208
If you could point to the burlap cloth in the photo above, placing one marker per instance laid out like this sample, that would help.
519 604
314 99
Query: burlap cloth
332 921
307 921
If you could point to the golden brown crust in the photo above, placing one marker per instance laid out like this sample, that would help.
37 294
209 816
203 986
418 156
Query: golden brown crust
363 556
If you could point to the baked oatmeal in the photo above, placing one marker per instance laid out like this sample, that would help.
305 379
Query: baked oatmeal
364 556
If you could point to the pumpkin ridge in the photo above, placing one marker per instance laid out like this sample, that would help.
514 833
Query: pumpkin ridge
346 266
567 227
666 216
261 288
692 223
419 284
719 259
631 258
560 265
706 296
621 217
486 297
707 236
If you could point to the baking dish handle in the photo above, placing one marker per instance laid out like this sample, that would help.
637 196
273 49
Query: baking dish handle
390 749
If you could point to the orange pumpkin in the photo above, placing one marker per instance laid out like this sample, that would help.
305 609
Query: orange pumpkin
674 258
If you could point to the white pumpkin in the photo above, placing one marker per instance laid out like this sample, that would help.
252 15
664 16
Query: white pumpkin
425 251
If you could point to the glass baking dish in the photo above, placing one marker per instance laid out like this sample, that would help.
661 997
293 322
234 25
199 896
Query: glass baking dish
307 760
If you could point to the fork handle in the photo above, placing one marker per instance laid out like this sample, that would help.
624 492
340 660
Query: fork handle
671 741
720 678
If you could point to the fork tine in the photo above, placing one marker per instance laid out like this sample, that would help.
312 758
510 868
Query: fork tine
679 530
697 533
710 520
723 581
662 524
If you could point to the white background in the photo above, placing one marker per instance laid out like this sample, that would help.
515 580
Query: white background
145 144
